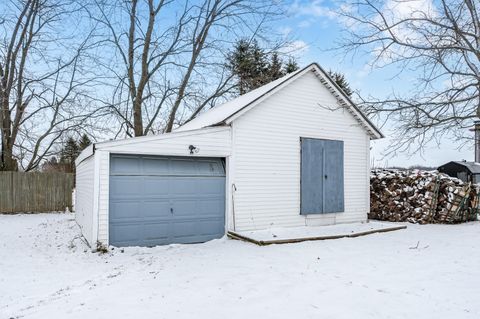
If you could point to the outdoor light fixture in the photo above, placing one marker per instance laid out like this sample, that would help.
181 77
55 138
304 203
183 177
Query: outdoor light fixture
193 149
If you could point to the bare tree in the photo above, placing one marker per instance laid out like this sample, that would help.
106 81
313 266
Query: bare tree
169 56
41 83
438 43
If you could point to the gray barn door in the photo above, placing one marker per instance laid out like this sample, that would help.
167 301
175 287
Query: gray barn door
321 187
164 200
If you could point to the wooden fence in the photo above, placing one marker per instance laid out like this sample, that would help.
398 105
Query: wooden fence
35 192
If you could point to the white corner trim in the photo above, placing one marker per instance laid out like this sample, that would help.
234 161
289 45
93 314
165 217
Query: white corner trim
96 201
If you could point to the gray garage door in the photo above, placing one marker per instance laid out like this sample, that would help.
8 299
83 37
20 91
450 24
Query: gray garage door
164 200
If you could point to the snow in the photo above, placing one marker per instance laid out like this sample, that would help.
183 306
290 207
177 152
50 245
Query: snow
429 271
287 233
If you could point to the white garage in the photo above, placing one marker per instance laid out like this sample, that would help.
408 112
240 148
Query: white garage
294 152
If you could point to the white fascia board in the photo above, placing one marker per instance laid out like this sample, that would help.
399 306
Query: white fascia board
86 153
172 135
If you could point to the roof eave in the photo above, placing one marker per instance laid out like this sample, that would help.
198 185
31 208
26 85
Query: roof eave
371 128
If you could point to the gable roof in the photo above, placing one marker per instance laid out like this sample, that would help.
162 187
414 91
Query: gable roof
473 167
225 113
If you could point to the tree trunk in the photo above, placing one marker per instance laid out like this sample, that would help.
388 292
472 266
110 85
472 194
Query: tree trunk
8 163
137 117
171 118
181 93
478 102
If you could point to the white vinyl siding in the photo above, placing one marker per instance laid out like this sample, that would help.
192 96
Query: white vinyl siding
84 197
267 156
215 142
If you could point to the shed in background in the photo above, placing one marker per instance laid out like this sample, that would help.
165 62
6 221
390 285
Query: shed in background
466 171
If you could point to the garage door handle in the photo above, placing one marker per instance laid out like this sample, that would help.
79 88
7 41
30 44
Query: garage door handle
171 210
326 176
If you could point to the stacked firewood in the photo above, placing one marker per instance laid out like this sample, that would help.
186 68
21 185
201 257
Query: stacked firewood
422 197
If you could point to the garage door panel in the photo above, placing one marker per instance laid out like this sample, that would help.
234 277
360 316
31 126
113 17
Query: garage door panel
157 231
125 209
211 227
156 208
153 184
183 186
185 228
125 165
126 186
141 234
172 200
185 208
181 166
214 186
198 228
155 166
212 206
201 207
210 168
198 186
126 234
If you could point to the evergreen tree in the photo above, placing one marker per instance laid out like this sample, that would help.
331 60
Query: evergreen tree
69 153
84 142
65 162
259 66
291 66
342 83
275 68
253 67
240 63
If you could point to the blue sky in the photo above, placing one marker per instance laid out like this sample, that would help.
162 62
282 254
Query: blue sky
315 30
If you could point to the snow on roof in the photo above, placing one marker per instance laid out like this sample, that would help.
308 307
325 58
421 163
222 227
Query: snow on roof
218 114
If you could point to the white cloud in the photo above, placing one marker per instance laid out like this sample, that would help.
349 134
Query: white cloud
285 31
305 23
315 8
363 72
401 9
295 48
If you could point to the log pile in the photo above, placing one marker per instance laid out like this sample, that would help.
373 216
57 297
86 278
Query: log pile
422 197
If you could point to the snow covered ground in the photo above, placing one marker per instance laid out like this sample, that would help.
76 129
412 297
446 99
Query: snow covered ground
47 272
